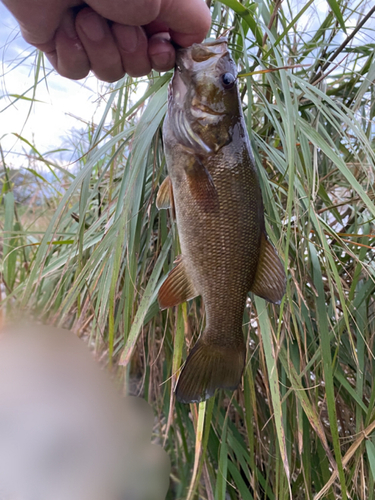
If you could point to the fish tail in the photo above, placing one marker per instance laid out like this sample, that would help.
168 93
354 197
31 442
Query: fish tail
210 366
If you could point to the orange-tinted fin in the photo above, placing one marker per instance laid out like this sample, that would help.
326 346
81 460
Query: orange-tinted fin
270 280
177 288
164 198
201 185
210 367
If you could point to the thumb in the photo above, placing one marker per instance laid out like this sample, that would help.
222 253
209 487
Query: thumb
188 21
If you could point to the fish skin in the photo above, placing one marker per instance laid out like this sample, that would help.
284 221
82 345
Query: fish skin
219 213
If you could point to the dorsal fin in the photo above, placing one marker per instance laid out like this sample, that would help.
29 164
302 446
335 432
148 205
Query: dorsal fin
270 280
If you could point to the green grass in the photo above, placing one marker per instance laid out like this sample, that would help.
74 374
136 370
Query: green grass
302 421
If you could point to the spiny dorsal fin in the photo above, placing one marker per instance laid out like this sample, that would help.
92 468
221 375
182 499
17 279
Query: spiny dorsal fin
177 288
201 185
164 198
270 280
210 366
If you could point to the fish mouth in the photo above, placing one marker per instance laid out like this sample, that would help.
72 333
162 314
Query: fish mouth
204 112
188 59
201 52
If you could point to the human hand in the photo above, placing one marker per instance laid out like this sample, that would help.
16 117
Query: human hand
113 37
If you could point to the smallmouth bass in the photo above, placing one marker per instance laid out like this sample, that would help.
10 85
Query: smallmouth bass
214 188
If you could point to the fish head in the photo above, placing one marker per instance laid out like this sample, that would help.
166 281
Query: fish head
204 103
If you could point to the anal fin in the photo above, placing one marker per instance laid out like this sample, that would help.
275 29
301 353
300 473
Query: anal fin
164 198
270 279
177 288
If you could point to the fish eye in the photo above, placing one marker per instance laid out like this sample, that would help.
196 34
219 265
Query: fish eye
227 79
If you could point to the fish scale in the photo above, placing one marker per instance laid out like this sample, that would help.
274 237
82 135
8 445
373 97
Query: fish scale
214 188
202 242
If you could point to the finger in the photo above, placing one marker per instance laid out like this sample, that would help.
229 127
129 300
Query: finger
69 57
100 46
161 52
132 45
188 21
39 19
134 13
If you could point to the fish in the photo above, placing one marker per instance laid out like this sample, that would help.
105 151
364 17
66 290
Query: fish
214 191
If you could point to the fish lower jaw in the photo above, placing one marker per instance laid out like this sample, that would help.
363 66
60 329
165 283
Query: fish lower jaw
205 113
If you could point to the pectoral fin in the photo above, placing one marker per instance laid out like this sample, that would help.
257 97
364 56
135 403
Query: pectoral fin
164 198
270 280
201 185
177 288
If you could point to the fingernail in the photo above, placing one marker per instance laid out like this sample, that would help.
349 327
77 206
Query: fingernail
92 26
161 52
162 60
127 37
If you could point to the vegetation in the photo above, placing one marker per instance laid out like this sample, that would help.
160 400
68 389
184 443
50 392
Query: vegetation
302 424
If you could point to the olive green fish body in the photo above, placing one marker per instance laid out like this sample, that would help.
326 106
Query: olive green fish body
214 187
220 245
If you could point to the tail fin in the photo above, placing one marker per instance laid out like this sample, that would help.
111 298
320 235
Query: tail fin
210 367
